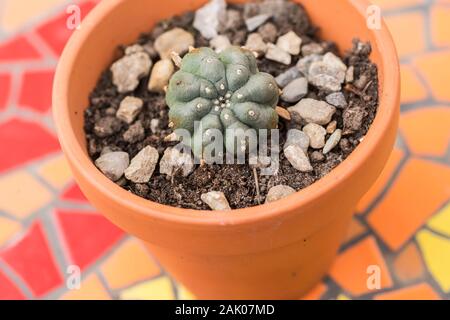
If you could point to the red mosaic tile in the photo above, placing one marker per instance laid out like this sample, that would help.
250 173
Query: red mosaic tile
8 290
5 87
55 32
421 188
350 270
88 235
18 49
23 141
73 193
36 91
32 260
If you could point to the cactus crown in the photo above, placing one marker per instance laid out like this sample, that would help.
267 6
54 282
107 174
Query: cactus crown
221 91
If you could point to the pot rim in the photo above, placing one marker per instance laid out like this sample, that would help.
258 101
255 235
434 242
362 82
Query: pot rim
82 164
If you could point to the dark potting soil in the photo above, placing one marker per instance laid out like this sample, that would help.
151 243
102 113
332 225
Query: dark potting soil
235 181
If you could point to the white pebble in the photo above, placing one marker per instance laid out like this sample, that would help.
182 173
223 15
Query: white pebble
129 109
216 201
279 192
290 42
276 54
113 164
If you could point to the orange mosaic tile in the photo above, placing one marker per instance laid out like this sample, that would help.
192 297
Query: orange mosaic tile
408 265
421 188
17 13
56 172
392 164
412 89
316 293
433 67
350 270
8 228
91 288
129 264
440 25
355 230
421 291
21 194
408 32
427 131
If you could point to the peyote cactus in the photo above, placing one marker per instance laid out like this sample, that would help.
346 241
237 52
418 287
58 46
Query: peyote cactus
222 91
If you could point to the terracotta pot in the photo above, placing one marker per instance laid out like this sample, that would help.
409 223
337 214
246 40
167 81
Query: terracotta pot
279 250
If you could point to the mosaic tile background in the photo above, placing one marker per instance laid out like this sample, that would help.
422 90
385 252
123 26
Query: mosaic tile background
46 224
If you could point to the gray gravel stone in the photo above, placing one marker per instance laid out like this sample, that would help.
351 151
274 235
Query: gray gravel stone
113 164
305 63
107 126
129 109
333 141
256 43
312 48
328 74
220 43
268 32
297 138
276 54
288 76
290 42
129 70
314 111
175 40
337 99
254 22
208 18
173 160
298 158
316 135
135 133
295 90
142 165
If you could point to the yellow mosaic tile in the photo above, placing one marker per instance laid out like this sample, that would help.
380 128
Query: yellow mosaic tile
8 228
441 221
18 13
21 194
129 264
184 294
436 253
395 4
158 289
56 172
440 24
91 289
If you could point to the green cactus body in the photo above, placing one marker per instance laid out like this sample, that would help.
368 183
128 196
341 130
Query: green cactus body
221 91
